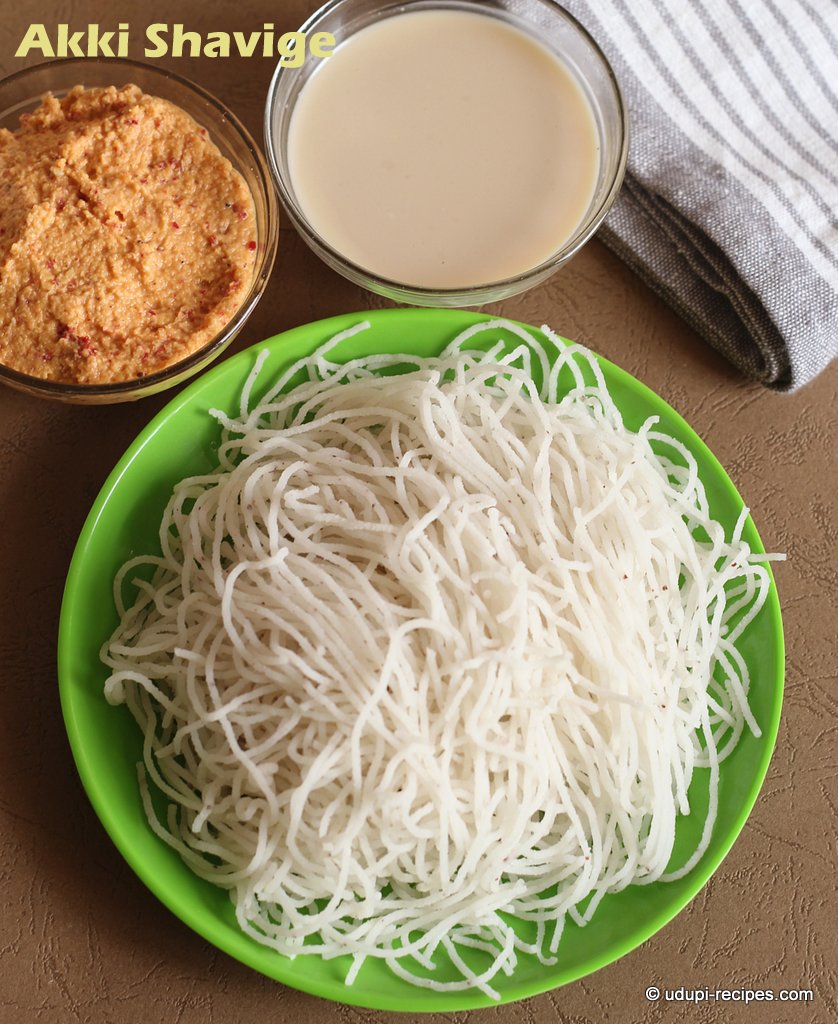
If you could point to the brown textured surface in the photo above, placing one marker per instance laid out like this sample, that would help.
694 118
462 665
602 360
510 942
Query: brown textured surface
80 938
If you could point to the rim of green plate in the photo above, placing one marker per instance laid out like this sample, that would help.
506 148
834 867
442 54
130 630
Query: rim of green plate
422 1000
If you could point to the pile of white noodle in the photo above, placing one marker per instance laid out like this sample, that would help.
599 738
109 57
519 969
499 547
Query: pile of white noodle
433 649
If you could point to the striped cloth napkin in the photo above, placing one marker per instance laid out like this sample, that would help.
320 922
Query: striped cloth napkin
730 201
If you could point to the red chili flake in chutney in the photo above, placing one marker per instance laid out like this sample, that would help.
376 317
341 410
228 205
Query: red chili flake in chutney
66 333
251 246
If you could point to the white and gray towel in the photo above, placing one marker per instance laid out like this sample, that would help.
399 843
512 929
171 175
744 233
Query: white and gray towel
730 206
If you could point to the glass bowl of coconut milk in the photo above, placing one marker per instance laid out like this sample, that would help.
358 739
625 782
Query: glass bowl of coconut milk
448 152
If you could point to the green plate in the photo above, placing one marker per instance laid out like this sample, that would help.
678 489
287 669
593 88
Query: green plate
181 441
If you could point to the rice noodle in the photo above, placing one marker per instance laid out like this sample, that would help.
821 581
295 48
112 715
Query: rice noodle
435 649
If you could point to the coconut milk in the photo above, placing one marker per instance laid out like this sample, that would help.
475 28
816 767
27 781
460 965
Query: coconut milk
443 149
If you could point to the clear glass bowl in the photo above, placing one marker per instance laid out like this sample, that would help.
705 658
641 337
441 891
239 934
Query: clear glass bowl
23 91
555 29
